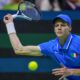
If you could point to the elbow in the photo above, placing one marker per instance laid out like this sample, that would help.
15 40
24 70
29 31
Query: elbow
18 50
21 51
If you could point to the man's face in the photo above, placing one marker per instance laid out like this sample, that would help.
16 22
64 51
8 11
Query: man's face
61 29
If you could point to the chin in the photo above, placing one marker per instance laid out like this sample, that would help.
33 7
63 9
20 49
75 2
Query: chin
59 35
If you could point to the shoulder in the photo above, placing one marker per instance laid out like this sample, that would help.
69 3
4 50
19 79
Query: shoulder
75 45
76 38
52 42
47 47
48 44
76 41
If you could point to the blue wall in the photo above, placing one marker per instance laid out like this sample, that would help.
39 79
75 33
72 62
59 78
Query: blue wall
47 15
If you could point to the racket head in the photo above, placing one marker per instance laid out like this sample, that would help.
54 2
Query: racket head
28 11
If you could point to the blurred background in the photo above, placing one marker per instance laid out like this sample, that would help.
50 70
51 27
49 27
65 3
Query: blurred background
15 67
43 5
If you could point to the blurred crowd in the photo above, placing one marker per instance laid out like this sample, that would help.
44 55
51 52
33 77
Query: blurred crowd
58 5
9 4
43 5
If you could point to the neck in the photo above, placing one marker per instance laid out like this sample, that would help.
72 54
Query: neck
63 39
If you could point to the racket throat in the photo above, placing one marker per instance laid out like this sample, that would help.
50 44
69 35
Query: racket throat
26 17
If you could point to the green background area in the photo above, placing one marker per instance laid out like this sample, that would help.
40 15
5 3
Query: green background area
26 39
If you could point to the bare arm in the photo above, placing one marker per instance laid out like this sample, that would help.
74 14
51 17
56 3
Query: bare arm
64 72
16 44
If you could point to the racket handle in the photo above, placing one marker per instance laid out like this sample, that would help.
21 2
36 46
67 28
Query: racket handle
14 16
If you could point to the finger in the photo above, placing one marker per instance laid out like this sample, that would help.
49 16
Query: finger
6 18
56 69
61 77
58 73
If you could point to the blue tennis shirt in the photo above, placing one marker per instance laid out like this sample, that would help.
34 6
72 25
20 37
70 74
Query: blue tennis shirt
68 55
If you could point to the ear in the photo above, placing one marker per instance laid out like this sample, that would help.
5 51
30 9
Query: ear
70 28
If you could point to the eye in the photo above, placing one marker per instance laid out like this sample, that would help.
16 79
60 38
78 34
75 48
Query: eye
56 25
63 25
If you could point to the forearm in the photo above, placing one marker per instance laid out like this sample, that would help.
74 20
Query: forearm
16 44
13 36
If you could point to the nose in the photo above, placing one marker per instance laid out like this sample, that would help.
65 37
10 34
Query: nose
59 27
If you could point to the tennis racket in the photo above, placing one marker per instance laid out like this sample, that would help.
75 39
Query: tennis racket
27 10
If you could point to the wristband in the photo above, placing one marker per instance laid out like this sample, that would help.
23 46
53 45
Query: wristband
10 28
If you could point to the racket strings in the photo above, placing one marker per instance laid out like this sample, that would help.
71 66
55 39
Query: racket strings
28 11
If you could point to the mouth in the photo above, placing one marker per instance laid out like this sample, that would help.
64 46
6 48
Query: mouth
59 32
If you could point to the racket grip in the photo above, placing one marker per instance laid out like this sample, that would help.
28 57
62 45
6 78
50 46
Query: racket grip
14 16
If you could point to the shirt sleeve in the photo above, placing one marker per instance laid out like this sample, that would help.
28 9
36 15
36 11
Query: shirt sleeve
45 48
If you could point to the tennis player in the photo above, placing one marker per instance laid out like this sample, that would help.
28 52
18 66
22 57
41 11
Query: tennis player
65 47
